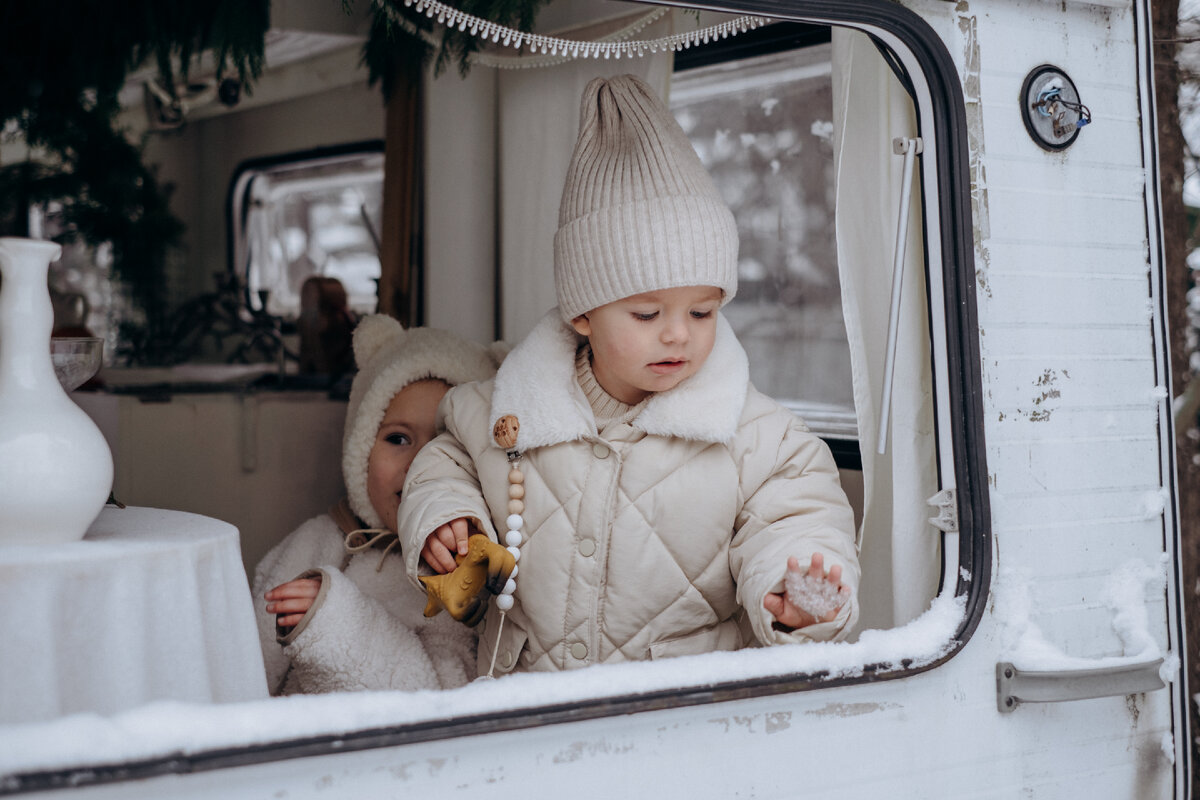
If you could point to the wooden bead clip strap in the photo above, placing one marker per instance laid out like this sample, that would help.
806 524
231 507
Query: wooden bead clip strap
505 435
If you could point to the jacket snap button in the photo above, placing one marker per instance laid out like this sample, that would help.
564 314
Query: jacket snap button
579 650
587 547
599 450
506 659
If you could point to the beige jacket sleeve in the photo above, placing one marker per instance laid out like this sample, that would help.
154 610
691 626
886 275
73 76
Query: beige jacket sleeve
792 505
443 483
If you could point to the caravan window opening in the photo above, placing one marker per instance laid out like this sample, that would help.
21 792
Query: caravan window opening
529 700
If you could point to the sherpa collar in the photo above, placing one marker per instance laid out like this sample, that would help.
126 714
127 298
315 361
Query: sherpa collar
536 384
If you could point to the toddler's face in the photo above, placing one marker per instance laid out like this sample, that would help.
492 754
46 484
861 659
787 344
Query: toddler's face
408 425
651 342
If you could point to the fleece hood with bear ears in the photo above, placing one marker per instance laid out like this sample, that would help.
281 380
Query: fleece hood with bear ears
390 358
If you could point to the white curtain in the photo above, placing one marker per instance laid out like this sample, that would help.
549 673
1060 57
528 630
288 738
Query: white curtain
899 548
538 124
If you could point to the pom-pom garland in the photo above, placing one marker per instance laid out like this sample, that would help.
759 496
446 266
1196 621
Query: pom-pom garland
550 50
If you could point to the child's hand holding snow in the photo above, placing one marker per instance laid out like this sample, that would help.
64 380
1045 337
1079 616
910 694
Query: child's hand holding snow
810 596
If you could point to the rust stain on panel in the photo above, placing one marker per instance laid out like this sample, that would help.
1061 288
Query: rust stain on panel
850 709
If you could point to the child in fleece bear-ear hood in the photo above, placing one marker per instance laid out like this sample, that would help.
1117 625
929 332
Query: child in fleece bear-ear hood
356 623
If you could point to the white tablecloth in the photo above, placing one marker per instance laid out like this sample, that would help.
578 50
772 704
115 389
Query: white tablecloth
151 605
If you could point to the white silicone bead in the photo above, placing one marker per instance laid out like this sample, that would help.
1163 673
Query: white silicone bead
515 522
504 602
509 587
513 538
516 569
516 553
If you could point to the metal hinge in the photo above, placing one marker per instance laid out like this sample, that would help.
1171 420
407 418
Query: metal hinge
946 503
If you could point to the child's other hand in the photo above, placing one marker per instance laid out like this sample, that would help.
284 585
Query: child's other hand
290 601
789 616
444 542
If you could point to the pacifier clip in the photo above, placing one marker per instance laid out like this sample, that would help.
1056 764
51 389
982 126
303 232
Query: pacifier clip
504 432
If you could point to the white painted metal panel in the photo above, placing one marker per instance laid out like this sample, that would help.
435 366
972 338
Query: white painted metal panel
865 741
1072 380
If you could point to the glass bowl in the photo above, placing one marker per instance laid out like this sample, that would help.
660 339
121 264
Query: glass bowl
76 359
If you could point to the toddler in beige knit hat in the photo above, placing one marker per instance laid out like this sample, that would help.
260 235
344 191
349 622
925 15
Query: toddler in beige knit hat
649 488
646 250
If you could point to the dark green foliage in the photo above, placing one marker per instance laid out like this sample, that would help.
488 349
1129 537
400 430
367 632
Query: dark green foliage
51 53
391 50
61 67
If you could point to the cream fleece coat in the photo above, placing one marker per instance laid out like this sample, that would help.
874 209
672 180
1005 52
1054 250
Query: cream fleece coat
365 630
655 538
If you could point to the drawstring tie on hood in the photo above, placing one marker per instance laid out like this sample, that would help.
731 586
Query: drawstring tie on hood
357 541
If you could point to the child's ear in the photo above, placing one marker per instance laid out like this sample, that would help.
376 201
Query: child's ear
582 325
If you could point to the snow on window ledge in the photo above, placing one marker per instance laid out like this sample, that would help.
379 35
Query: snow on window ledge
164 729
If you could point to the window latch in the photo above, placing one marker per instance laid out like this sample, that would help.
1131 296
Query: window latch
910 149
946 503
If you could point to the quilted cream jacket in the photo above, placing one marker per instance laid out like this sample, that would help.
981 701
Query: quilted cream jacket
656 538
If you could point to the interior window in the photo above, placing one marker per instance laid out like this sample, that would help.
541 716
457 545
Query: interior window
308 215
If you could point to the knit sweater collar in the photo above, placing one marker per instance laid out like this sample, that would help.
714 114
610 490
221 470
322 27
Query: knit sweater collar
537 384
607 409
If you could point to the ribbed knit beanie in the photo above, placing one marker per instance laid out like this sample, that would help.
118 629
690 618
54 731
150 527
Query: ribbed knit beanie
639 212
390 358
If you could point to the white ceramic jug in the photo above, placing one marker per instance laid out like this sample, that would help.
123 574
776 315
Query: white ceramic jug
55 468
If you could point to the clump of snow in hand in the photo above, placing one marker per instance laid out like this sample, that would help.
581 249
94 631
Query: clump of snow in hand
815 595
1027 647
173 729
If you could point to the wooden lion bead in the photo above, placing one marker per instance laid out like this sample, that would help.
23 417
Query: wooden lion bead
505 431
